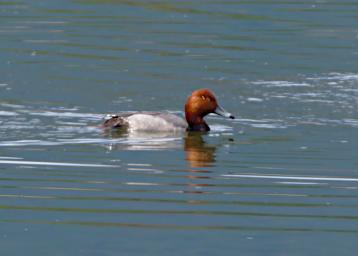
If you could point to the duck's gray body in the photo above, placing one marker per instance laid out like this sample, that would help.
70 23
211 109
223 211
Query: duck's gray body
146 121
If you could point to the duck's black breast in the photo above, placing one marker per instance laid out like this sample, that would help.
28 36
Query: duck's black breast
203 127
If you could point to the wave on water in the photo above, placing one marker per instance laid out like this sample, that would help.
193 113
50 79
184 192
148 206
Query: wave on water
281 84
283 177
133 143
32 126
325 99
32 163
8 113
319 100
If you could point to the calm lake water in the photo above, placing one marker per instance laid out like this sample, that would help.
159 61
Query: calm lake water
281 179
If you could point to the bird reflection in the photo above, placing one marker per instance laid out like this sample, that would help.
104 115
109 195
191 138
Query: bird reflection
198 152
122 139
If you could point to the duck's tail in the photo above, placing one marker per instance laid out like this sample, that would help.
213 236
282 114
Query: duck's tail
114 122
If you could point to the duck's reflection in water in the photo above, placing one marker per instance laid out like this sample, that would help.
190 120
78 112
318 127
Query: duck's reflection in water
121 139
198 152
199 155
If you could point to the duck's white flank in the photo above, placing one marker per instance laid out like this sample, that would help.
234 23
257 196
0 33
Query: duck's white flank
160 122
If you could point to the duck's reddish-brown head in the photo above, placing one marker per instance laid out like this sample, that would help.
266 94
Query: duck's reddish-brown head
199 104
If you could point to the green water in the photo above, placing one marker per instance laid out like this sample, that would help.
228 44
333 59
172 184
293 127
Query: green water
281 179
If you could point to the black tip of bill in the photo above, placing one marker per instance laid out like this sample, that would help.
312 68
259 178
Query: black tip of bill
222 112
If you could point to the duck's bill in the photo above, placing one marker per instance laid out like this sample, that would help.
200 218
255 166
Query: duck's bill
222 112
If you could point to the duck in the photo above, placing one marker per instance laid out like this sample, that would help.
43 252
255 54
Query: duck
200 103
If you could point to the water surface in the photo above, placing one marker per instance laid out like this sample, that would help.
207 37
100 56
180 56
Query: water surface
281 179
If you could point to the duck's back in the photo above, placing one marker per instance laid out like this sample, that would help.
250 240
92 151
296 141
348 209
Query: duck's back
147 121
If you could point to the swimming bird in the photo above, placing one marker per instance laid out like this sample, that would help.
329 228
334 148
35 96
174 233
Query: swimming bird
199 104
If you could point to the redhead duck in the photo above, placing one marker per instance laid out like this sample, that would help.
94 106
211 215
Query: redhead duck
199 104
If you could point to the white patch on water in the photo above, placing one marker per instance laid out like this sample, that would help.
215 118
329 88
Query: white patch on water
17 126
8 113
47 22
10 157
337 76
155 171
254 99
142 184
149 141
281 84
300 183
12 105
138 164
45 41
80 129
89 116
71 123
269 126
318 101
263 123
220 128
352 122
